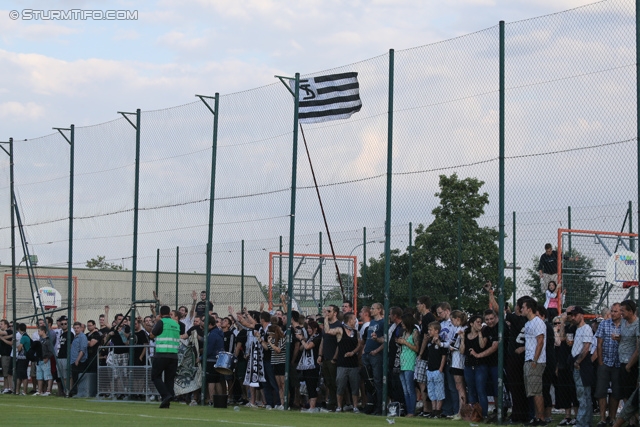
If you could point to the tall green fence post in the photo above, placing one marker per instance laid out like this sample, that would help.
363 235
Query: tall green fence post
364 266
387 234
134 257
178 274
321 300
410 264
501 235
459 263
632 245
280 290
158 272
212 191
242 276
514 260
13 248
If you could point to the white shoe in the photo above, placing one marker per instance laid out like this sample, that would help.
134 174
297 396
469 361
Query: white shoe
268 407
193 403
356 410
338 409
279 408
37 393
46 393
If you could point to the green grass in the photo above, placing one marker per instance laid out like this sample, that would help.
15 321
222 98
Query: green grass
55 411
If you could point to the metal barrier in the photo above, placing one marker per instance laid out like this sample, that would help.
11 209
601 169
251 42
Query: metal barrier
119 379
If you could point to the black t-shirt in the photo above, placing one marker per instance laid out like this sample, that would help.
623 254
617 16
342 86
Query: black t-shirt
330 342
434 355
516 333
5 349
120 345
474 344
394 348
424 332
141 339
242 339
550 348
62 352
345 345
95 335
229 341
201 308
492 336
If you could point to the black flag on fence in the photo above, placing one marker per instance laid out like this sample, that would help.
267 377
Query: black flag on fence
331 97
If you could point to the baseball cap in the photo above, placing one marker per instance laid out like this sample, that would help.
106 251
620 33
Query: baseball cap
61 318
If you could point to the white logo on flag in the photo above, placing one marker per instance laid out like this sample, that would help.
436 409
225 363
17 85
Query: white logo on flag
330 97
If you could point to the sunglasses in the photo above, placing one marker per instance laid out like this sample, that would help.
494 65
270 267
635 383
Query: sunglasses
63 323
557 323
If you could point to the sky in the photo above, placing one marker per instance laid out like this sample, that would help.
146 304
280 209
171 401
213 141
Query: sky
570 85
57 72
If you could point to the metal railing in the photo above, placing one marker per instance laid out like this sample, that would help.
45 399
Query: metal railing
119 379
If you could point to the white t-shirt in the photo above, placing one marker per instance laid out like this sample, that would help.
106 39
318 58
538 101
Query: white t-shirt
447 332
457 358
532 330
584 334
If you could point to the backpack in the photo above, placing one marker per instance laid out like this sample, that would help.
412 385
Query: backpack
35 351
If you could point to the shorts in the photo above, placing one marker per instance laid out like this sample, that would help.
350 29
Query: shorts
213 376
278 369
420 371
435 385
22 366
533 378
456 371
43 371
605 375
628 380
346 376
7 366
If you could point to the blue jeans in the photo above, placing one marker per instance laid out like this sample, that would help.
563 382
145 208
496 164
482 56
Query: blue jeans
270 387
584 416
451 403
476 378
406 378
375 363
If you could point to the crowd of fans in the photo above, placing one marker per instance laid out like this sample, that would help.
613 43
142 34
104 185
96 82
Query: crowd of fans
442 363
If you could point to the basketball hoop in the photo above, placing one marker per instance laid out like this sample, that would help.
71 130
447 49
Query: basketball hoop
630 284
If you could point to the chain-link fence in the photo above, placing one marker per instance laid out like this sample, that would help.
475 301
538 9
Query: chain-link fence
571 162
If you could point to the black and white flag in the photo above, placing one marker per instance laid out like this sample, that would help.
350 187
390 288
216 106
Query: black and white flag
331 97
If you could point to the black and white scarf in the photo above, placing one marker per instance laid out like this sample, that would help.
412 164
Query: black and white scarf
255 366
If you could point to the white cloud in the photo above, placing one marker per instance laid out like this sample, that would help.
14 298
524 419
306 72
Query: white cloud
21 111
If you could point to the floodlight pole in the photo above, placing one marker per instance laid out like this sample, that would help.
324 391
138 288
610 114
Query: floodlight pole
70 141
13 248
134 271
292 225
212 193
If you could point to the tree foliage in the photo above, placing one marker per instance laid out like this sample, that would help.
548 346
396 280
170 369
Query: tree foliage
100 263
435 253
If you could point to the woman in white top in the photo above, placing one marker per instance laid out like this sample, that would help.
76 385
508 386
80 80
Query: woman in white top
459 320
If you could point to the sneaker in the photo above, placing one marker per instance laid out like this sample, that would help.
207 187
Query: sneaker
311 410
325 410
268 407
338 409
37 393
7 391
250 405
356 410
46 393
426 415
193 403
23 394
573 422
456 417
210 404
347 408
279 408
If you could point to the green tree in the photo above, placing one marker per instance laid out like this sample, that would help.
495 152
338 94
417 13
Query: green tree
435 253
100 263
582 288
